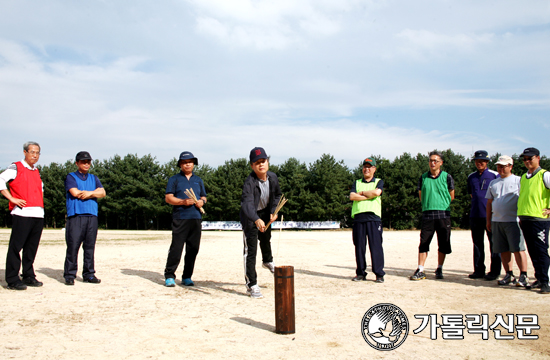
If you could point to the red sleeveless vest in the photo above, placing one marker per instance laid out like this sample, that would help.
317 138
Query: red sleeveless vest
27 185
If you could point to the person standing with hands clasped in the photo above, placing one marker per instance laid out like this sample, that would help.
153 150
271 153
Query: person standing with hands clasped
261 194
26 204
533 205
366 212
436 189
83 190
478 183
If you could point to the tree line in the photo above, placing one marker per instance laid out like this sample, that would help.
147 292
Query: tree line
319 191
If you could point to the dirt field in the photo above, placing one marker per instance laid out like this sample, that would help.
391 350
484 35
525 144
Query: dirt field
131 315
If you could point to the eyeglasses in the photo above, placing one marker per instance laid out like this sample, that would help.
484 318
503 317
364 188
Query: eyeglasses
530 158
33 152
434 161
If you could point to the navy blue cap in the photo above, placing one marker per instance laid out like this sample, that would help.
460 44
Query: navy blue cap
83 155
530 152
186 155
257 153
481 155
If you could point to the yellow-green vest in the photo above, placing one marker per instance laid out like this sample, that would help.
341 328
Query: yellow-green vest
371 205
533 195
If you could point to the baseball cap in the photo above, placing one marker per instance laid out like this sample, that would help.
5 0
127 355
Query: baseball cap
481 155
186 155
257 153
83 155
369 161
505 160
530 152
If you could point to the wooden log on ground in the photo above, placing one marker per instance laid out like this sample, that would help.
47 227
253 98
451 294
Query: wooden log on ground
284 300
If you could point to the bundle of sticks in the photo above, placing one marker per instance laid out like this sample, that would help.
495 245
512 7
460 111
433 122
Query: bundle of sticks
282 202
191 194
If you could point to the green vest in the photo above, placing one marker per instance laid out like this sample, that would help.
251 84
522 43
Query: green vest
435 193
533 196
371 205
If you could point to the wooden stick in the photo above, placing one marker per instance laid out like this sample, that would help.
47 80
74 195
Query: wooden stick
282 202
191 195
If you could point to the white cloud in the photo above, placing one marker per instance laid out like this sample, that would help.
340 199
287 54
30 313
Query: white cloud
423 42
264 24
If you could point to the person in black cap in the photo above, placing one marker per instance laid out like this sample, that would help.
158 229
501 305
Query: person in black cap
261 194
83 190
533 205
478 183
367 213
186 219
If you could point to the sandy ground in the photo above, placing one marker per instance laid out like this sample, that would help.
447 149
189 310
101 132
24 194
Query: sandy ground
131 315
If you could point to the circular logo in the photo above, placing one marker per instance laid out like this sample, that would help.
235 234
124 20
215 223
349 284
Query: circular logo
385 327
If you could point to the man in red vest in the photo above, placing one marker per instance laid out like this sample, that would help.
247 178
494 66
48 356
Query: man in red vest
25 195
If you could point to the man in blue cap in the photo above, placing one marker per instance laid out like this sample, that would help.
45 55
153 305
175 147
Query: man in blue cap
478 183
186 219
83 190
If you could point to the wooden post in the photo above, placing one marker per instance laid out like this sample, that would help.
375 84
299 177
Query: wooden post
284 300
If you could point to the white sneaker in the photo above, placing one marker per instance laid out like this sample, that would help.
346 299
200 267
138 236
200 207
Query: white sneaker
255 292
270 266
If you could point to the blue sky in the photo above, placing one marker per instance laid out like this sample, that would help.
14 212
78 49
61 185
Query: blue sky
301 78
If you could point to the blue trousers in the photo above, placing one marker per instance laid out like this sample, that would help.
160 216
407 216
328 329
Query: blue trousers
372 230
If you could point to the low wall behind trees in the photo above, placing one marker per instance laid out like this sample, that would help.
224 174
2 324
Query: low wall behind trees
319 191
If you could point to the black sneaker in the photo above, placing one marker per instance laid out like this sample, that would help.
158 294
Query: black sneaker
379 279
359 278
476 276
508 279
439 273
69 281
545 288
523 281
19 285
32 282
92 280
418 275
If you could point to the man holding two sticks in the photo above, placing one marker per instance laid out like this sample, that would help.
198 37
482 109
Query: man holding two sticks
186 219
261 194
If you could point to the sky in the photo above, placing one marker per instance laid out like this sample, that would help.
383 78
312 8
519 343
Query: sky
301 78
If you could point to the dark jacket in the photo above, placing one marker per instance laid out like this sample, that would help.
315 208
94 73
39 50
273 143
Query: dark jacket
251 196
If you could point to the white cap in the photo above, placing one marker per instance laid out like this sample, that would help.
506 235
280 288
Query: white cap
505 160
